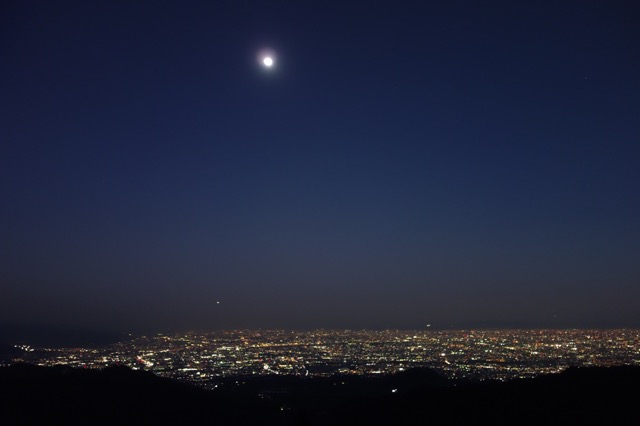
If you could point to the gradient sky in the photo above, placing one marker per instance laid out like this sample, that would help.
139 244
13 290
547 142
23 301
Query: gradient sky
404 163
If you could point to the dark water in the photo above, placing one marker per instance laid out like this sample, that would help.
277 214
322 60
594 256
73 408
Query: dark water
56 337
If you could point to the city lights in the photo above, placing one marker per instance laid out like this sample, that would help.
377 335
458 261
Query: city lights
200 358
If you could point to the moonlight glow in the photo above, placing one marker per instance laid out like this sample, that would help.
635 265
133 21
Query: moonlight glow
267 61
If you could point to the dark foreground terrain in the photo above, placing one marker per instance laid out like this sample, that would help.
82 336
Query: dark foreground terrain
118 395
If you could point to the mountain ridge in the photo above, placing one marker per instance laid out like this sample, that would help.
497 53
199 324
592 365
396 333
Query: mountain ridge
63 395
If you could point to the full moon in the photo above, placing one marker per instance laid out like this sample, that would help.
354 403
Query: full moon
267 61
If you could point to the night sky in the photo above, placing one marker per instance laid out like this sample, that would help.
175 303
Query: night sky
468 164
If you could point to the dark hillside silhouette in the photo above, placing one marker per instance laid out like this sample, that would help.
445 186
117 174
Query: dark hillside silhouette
118 395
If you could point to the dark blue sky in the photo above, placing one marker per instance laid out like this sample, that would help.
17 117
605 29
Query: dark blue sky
460 163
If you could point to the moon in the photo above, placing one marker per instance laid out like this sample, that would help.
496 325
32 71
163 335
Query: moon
267 58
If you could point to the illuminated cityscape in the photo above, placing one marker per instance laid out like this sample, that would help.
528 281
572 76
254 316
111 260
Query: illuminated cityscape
203 357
